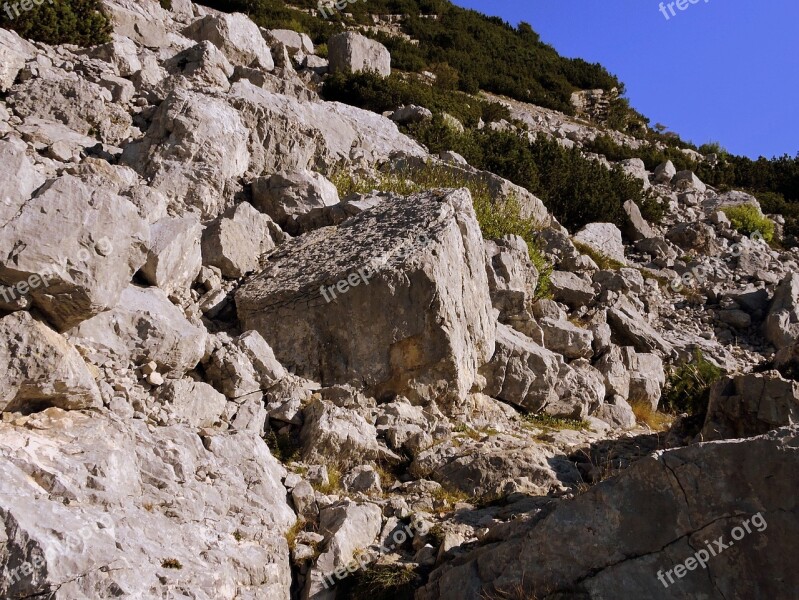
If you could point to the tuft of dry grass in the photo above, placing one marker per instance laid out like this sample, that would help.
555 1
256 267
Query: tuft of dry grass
294 530
656 421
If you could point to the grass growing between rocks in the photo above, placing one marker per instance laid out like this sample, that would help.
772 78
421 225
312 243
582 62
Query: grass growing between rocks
171 563
284 447
655 420
548 422
333 484
294 531
495 219
687 389
603 261
381 582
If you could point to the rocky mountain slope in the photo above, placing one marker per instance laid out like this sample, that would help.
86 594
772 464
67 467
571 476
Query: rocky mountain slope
221 376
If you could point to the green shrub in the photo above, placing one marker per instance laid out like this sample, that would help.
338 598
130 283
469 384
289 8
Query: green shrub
688 387
747 219
78 22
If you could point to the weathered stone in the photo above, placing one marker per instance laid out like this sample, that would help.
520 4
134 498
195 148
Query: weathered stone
85 244
236 36
143 22
236 241
688 180
363 479
292 40
636 227
363 282
677 508
512 280
700 237
120 52
144 326
604 238
566 338
750 405
350 51
618 415
571 289
665 172
411 114
39 368
14 52
782 322
193 149
174 257
192 402
630 327
204 64
330 431
18 179
117 508
647 378
521 372
286 196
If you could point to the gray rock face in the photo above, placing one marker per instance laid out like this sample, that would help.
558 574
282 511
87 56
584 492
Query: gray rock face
566 338
14 52
236 241
665 172
411 114
39 368
647 378
192 402
512 281
18 179
687 180
174 257
121 52
604 238
571 289
347 527
145 326
678 508
631 328
353 52
203 64
521 372
193 149
637 227
143 22
153 497
286 196
86 242
368 300
293 41
749 405
700 237
287 134
782 321
81 105
236 36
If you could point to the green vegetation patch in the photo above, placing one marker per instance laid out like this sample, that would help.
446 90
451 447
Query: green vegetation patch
688 386
79 22
747 219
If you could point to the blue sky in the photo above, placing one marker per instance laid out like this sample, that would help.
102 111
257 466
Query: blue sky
721 70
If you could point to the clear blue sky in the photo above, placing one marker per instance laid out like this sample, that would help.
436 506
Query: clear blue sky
721 70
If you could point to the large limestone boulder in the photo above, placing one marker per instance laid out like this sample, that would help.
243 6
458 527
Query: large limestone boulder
571 289
83 106
348 529
512 280
145 326
236 241
39 368
14 53
174 258
192 402
121 52
288 195
18 179
782 322
521 372
620 538
331 431
636 227
647 378
350 51
85 242
287 134
665 172
749 405
98 507
203 65
395 298
292 40
143 22
604 238
193 151
630 328
236 36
